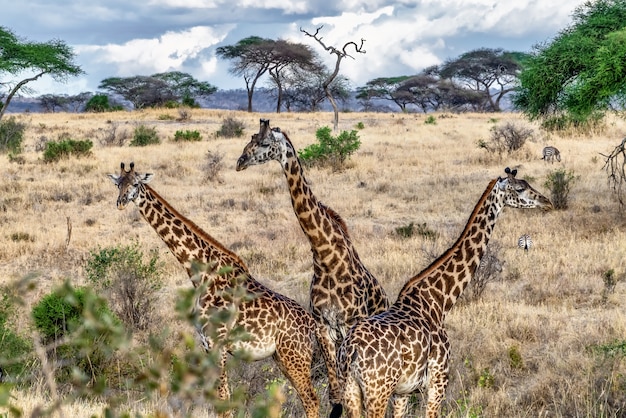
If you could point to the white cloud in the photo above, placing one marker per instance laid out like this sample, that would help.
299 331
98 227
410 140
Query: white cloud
168 52
401 37
289 7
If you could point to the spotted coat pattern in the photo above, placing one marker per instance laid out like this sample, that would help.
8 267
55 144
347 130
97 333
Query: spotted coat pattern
278 326
398 352
342 289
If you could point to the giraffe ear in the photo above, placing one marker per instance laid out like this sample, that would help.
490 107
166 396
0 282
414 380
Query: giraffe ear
114 178
145 178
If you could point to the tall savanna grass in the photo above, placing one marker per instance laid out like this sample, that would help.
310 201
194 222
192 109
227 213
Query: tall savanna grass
537 342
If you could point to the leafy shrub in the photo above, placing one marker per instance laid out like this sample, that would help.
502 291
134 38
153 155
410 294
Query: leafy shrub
99 103
360 126
144 136
560 182
213 165
11 135
506 138
55 150
330 150
90 363
421 230
405 231
129 283
81 333
187 136
57 313
231 128
22 236
13 348
430 120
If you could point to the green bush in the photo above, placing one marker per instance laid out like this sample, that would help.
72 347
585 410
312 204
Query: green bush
55 150
13 348
57 313
99 103
231 128
560 182
187 136
129 282
144 136
430 120
11 135
81 332
330 150
97 360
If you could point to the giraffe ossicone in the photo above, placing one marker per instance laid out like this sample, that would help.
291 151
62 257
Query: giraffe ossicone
277 326
342 289
395 353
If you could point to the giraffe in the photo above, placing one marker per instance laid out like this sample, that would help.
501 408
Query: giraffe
342 289
397 352
277 325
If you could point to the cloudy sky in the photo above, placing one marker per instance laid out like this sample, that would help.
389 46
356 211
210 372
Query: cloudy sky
127 37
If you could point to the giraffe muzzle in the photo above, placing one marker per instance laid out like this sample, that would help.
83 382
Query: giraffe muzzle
242 163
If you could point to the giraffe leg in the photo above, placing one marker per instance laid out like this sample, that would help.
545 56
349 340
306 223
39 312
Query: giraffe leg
295 363
352 399
329 352
376 405
438 368
223 391
399 405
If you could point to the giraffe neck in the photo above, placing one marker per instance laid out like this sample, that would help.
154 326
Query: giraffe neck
441 283
185 239
320 223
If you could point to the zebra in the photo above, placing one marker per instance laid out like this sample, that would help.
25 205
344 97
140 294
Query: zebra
525 242
550 153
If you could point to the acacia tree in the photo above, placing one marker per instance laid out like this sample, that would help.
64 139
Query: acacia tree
615 165
141 91
340 55
252 58
287 55
186 88
158 89
31 60
386 88
485 70
304 88
54 102
581 74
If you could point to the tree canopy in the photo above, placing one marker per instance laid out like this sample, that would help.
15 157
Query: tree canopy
158 89
581 74
490 72
24 61
251 58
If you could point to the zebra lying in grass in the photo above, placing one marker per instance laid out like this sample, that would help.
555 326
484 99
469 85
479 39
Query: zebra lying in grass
550 153
525 242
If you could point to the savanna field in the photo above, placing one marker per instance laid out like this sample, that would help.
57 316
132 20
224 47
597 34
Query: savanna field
545 338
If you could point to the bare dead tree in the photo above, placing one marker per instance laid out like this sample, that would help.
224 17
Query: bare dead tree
340 54
615 164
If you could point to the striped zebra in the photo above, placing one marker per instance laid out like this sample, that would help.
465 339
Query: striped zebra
550 153
525 242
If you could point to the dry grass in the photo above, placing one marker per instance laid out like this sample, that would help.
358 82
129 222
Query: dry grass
548 309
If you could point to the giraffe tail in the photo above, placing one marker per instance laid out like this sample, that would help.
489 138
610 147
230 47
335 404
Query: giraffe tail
336 411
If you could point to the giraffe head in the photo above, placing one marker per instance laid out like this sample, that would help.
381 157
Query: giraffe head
129 184
265 145
519 194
